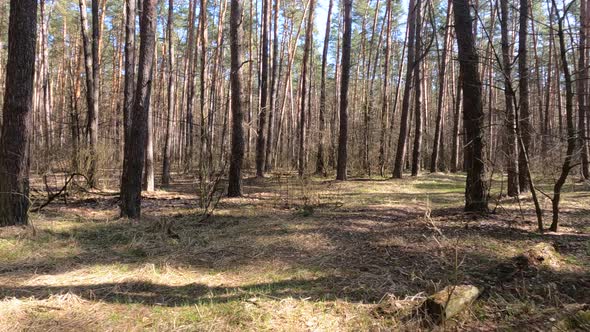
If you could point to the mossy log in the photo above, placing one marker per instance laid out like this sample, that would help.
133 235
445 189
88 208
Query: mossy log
542 254
449 302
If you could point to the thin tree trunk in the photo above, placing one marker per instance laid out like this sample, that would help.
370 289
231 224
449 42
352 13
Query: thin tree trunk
346 50
582 90
304 65
91 103
510 145
93 115
264 75
524 112
438 132
320 164
171 97
571 134
274 86
403 133
385 95
545 131
416 151
189 144
75 72
44 78
204 40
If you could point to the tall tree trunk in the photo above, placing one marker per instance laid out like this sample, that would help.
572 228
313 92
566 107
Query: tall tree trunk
45 78
204 40
18 103
90 95
346 50
456 125
93 112
368 91
171 97
148 182
403 131
320 164
128 91
416 151
538 78
385 95
396 96
274 86
304 65
569 109
545 127
476 191
337 68
524 112
190 87
251 62
264 75
510 146
582 89
438 132
75 71
237 139
131 184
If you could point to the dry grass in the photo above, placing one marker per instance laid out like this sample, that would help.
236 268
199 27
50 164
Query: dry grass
291 255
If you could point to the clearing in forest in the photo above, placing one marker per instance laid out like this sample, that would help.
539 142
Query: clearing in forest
291 255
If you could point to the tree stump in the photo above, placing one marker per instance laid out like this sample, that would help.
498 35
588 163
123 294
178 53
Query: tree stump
449 302
542 254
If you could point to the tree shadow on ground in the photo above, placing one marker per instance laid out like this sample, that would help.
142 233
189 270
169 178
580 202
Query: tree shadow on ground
575 285
361 254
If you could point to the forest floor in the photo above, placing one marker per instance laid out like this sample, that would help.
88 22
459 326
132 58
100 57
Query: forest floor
291 255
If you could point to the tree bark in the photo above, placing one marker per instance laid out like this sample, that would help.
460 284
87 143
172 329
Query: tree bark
434 160
346 50
171 97
582 89
385 94
545 127
128 91
274 86
510 146
416 151
131 184
476 191
204 40
18 104
569 109
260 139
91 101
524 112
190 87
93 115
303 103
400 154
320 164
237 137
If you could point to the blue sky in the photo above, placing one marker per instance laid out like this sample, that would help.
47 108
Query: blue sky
321 14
